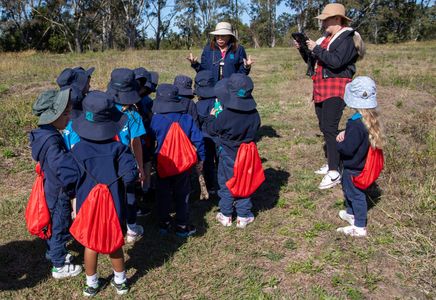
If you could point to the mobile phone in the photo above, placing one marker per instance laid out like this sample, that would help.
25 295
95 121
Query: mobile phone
300 37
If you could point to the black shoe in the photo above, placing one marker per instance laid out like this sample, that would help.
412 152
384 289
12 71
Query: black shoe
122 288
164 228
142 212
185 230
90 291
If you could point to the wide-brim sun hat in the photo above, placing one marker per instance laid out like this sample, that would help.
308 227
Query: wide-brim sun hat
100 120
184 84
333 10
223 28
167 100
142 73
50 105
361 93
123 87
77 77
240 87
204 84
153 82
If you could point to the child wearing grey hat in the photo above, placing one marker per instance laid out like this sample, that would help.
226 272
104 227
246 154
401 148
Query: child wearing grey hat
363 130
48 148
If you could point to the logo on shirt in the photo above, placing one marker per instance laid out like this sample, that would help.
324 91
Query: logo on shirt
232 56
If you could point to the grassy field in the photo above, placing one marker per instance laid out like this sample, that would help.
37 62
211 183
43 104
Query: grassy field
292 250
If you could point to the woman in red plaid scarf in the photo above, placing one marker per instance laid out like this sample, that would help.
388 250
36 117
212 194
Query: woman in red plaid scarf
333 58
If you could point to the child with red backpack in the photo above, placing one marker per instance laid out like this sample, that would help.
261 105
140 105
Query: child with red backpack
48 148
175 132
360 149
125 91
101 161
236 125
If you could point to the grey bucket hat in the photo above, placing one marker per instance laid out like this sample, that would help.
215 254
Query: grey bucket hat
50 105
361 93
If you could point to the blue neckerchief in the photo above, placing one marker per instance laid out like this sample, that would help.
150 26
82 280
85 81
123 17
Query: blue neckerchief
356 116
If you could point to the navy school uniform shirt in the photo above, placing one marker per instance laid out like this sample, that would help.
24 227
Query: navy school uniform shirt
233 61
59 167
204 106
354 148
232 128
160 124
105 161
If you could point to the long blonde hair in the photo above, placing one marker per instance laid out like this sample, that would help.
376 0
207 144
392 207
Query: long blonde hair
371 120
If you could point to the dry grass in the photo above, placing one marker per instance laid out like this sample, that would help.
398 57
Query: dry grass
292 250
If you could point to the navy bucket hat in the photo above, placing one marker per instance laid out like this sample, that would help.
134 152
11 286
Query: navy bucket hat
153 82
77 77
142 73
239 89
184 84
123 87
100 120
221 91
168 100
204 84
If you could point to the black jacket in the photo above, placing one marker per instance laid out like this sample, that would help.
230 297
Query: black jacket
339 60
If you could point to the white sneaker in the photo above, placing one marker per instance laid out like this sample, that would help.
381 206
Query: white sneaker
330 180
225 221
323 170
134 233
353 231
68 270
346 217
242 222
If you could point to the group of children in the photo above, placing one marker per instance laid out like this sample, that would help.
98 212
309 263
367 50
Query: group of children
89 137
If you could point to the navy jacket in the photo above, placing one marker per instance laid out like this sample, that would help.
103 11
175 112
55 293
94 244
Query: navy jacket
105 161
204 106
160 124
233 61
339 60
48 148
191 109
354 147
232 128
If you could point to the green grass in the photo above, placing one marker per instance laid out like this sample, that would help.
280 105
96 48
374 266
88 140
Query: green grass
292 250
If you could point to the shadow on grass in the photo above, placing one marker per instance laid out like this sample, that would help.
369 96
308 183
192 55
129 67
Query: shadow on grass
154 249
23 264
269 193
266 130
373 195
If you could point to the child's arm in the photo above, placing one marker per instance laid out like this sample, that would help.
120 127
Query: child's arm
196 138
65 168
213 125
127 167
136 145
353 138
340 137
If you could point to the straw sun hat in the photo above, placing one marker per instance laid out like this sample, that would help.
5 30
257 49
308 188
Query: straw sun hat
223 28
332 10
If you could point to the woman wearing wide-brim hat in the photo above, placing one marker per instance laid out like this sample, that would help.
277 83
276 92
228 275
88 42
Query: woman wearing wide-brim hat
223 55
334 56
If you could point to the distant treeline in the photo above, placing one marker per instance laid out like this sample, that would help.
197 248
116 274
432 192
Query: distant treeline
97 25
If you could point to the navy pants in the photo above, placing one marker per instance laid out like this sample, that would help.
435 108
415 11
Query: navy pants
225 172
131 204
329 113
175 188
355 198
209 163
60 212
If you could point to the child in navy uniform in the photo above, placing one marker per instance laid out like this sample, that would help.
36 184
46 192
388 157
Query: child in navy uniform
49 149
204 89
238 123
184 84
124 89
167 109
363 130
100 158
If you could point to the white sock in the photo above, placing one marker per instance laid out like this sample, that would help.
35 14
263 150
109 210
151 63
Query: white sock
333 174
119 277
92 280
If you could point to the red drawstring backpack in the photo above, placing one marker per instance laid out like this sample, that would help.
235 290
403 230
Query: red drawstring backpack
96 225
248 173
37 215
177 153
372 169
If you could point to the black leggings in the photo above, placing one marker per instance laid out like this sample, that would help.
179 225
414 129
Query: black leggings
329 113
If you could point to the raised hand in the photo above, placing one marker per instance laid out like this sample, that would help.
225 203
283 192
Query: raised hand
192 59
248 62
